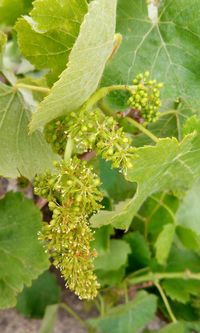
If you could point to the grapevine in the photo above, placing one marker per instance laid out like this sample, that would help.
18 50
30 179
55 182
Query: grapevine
100 132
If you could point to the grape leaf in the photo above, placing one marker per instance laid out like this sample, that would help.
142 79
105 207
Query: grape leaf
179 327
115 257
158 210
48 35
181 260
169 48
22 257
181 290
86 64
164 242
188 214
189 238
11 10
168 165
127 318
44 291
101 242
20 154
114 183
110 278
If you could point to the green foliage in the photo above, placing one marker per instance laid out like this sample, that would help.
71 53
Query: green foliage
140 254
188 214
22 257
130 317
44 291
114 183
20 153
164 242
48 35
120 191
179 260
156 171
3 40
181 327
11 10
168 47
89 54
115 257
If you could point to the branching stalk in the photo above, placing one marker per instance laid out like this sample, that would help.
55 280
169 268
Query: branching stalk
143 130
73 314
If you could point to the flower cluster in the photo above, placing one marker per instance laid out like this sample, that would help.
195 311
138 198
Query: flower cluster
114 145
146 97
93 131
73 195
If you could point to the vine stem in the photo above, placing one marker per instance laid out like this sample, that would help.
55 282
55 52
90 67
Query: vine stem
73 314
33 88
154 277
165 301
143 129
103 92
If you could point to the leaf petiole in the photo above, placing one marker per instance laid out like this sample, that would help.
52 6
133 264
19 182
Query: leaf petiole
165 301
31 87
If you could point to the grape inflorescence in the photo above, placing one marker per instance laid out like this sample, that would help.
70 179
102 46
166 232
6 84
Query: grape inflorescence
73 196
146 97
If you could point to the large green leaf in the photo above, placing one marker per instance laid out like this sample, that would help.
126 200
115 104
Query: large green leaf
32 302
22 257
169 165
48 35
11 10
169 47
128 318
86 64
20 153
